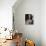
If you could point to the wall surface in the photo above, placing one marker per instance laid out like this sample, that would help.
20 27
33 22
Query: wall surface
6 13
43 22
35 31
30 31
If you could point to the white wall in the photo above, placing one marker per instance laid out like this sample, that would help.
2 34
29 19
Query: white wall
37 30
6 13
30 7
43 22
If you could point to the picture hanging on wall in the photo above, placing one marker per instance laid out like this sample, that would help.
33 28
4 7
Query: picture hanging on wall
29 19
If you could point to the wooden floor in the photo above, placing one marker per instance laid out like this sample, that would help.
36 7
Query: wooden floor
9 43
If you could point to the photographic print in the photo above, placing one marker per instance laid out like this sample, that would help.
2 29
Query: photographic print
29 19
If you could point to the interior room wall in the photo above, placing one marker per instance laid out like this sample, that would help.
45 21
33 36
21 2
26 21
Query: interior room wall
43 22
32 32
6 13
37 31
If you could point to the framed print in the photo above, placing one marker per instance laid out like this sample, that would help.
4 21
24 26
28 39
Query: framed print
29 19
